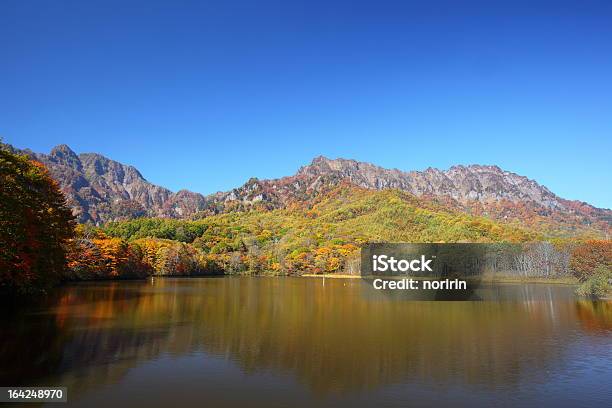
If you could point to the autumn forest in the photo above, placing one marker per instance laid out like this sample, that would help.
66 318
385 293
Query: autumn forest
43 245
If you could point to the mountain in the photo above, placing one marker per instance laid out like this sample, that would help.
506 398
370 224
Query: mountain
100 189
478 190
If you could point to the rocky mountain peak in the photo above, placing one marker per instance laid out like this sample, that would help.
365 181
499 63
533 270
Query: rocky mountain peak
320 160
62 150
100 190
460 182
341 167
96 164
64 155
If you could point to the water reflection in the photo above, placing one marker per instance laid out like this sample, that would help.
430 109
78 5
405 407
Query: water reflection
334 339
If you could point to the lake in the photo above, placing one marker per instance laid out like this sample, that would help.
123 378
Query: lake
278 342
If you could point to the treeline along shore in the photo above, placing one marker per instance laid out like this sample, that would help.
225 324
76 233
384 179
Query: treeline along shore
42 244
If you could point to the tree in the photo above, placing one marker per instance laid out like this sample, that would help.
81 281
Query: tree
591 256
35 225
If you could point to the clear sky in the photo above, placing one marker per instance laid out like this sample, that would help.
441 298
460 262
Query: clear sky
203 95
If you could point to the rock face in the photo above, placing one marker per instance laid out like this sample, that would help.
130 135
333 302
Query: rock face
480 190
100 190
462 183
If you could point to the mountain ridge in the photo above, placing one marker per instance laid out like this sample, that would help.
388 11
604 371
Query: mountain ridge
100 189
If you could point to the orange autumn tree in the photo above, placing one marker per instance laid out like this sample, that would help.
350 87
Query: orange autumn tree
35 226
113 254
94 255
590 256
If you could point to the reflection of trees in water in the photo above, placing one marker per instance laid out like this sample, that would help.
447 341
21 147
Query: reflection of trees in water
334 341
595 316
30 347
333 338
72 335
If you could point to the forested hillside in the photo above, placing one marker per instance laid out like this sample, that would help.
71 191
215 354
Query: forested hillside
320 236
316 233
100 190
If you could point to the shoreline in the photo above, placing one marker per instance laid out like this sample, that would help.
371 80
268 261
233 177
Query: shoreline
571 281
485 279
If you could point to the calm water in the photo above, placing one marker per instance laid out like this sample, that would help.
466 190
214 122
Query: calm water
295 342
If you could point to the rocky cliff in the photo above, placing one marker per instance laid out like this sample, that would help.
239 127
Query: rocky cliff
480 190
100 189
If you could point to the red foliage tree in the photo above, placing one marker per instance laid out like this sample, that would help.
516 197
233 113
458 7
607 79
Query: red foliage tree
35 225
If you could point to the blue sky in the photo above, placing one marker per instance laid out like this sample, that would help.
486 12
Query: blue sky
204 95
